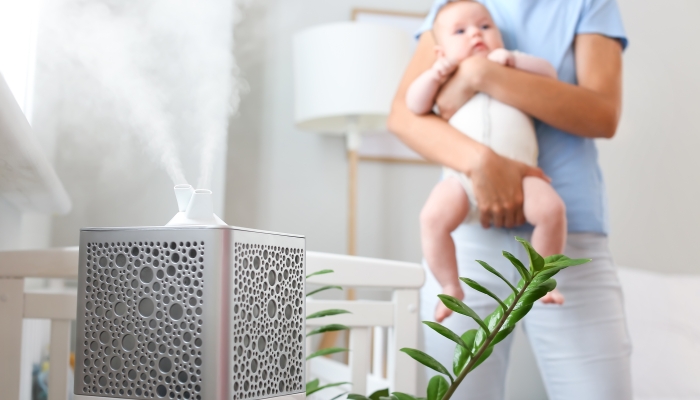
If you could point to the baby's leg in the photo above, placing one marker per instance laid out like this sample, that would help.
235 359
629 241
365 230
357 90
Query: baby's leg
546 211
446 208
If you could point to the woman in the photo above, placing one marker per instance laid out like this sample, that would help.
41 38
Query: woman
582 347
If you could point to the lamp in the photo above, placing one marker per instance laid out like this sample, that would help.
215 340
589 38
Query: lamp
345 77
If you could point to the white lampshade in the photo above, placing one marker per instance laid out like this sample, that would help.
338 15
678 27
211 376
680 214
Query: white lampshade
347 70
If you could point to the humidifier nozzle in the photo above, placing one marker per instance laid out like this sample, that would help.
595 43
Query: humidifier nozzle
195 207
183 193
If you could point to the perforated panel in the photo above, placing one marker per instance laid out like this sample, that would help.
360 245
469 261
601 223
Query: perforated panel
267 329
142 336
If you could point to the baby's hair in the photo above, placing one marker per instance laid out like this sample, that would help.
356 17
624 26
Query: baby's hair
448 2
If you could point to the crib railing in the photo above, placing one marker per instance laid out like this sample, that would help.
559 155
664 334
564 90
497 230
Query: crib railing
378 329
375 360
17 304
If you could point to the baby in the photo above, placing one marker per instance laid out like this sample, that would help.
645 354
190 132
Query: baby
463 29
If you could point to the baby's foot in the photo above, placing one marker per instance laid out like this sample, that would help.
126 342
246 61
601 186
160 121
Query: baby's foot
553 297
454 290
442 312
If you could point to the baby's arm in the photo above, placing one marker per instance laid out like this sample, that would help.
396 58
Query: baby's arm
524 62
534 64
420 96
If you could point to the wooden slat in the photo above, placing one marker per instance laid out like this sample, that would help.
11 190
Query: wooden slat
50 305
378 351
352 271
49 263
59 357
404 333
328 370
11 299
359 359
363 312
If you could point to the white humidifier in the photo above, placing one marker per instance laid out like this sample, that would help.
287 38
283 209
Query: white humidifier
196 310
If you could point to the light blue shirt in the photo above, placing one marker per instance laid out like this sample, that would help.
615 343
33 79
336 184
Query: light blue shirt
546 29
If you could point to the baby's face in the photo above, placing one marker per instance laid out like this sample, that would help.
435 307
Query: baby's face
464 29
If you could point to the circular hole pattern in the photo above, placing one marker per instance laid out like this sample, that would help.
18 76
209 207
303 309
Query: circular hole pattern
267 297
141 319
120 260
176 311
146 307
128 342
146 275
165 365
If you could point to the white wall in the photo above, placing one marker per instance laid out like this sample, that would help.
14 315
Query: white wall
652 165
283 179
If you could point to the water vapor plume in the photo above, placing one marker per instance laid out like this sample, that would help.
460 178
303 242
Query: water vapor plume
160 70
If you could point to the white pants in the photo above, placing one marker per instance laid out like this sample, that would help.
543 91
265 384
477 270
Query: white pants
582 348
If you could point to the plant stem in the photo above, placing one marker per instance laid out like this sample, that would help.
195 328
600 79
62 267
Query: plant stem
485 344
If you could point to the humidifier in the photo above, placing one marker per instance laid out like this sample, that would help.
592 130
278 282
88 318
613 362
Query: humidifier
195 309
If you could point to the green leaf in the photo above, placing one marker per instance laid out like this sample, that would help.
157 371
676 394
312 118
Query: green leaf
379 393
518 265
437 387
536 260
323 288
554 258
324 352
503 333
462 355
328 328
493 271
483 357
326 313
353 396
319 388
311 385
321 272
340 395
403 396
426 360
568 262
446 332
476 286
459 307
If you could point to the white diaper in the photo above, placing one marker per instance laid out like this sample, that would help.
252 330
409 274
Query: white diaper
505 129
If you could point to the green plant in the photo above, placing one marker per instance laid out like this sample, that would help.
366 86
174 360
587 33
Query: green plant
314 385
474 346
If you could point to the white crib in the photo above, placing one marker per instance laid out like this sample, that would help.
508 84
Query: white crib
374 340
375 362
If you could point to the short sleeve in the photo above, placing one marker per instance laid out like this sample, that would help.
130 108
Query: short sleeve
428 22
602 17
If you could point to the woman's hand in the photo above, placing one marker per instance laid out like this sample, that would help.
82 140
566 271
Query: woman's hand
459 89
498 189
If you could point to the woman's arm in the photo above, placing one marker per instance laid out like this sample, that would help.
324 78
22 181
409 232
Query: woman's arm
590 109
497 180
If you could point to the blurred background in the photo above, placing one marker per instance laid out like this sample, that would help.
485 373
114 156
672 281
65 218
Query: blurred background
98 80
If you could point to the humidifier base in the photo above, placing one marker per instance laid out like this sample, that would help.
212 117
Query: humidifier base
296 396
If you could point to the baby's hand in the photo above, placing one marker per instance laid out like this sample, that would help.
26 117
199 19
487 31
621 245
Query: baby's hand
443 68
503 57
442 312
553 297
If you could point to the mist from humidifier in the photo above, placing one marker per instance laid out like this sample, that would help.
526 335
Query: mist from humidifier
161 70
